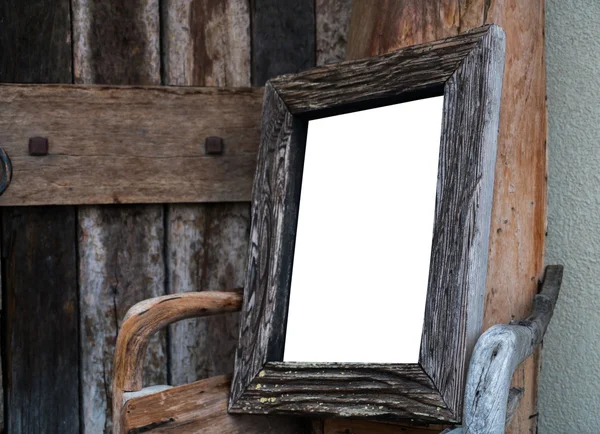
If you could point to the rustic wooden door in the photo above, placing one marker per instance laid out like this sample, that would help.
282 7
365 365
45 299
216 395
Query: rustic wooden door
69 273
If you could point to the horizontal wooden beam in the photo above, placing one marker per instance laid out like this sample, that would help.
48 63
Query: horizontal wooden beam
123 144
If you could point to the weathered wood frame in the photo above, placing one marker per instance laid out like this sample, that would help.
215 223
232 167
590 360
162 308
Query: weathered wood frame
467 70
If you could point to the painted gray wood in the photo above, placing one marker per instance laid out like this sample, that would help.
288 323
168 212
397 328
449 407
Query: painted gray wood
467 69
489 403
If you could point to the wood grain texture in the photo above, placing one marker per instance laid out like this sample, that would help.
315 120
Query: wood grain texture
332 19
39 329
208 43
206 250
40 320
121 248
200 408
412 69
263 316
382 391
460 236
118 145
116 42
518 215
120 263
497 353
142 322
457 275
35 41
283 38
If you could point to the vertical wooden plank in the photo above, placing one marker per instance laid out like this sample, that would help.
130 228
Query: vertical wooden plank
205 43
380 26
41 320
283 38
121 259
519 214
519 210
40 345
332 19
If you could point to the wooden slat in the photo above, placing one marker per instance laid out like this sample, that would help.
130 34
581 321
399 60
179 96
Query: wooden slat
128 145
332 18
40 342
283 38
200 408
41 317
207 42
121 248
518 215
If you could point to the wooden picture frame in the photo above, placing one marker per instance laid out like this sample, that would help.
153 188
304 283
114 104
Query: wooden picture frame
467 70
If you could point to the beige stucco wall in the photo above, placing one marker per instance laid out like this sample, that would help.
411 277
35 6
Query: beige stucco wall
569 394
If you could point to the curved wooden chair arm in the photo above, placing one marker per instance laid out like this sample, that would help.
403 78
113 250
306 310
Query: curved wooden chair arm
489 400
146 318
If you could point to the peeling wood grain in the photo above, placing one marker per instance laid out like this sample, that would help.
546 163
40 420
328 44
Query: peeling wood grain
207 42
110 144
332 22
116 42
207 250
120 263
39 329
121 248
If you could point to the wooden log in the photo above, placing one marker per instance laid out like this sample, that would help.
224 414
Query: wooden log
207 42
39 329
145 319
117 144
518 215
121 248
199 408
497 353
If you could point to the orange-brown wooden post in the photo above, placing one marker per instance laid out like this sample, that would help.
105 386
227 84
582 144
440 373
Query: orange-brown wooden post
519 210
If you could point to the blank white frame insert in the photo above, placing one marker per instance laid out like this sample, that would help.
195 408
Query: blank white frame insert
364 236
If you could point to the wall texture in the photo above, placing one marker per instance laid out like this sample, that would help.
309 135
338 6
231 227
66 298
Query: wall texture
570 379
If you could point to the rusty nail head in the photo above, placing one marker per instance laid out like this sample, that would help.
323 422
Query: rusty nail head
213 145
38 146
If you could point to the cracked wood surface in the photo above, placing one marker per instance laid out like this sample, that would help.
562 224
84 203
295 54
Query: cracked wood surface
121 248
207 43
129 144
